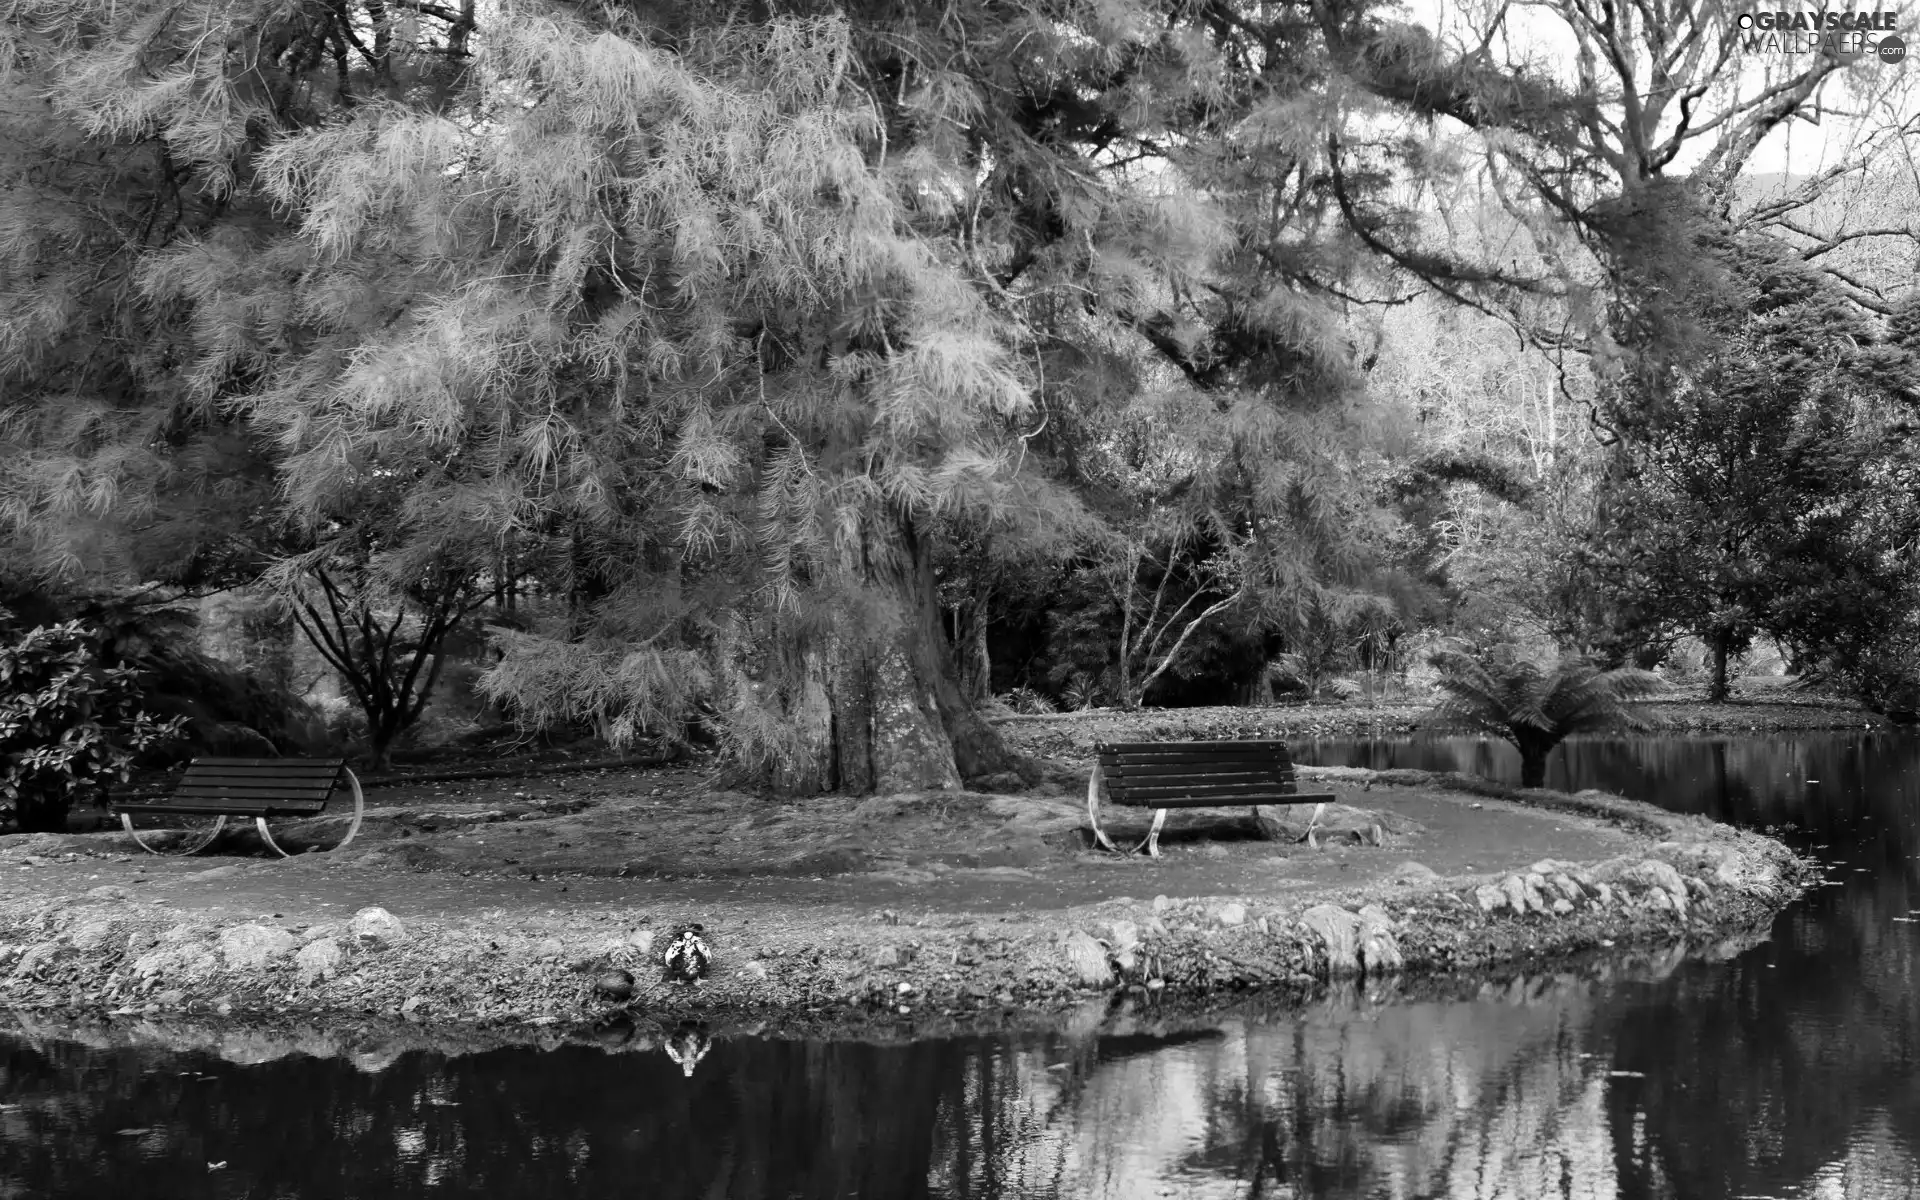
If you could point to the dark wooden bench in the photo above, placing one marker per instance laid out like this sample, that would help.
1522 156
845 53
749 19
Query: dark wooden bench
1164 775
244 787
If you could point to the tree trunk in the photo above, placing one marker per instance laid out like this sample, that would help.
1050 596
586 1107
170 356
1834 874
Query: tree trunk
970 648
881 708
380 749
1717 690
1533 768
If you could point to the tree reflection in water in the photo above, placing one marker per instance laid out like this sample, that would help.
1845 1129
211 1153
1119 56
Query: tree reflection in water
1790 1070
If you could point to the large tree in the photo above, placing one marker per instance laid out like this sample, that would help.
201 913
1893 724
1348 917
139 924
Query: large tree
723 321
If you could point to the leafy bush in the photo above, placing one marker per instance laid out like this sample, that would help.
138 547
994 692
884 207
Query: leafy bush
68 727
1081 693
1026 700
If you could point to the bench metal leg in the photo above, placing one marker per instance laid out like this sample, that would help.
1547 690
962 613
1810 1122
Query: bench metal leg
359 809
260 823
193 841
1093 810
359 812
1152 843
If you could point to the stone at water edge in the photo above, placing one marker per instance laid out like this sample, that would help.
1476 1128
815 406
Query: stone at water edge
615 985
1161 904
1663 878
1087 960
1125 934
1414 872
318 960
1515 890
377 928
1232 914
252 946
1340 932
1490 898
1379 947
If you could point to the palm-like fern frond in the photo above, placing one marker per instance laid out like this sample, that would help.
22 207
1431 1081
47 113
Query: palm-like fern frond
1509 697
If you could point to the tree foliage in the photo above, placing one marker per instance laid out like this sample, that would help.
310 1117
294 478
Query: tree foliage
1773 492
731 335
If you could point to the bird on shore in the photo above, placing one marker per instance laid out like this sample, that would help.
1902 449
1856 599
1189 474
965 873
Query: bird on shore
687 955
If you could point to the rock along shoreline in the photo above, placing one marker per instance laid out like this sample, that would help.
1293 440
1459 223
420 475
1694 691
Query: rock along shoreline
106 960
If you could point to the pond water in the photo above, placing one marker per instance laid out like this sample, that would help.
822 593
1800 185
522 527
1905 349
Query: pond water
1790 1070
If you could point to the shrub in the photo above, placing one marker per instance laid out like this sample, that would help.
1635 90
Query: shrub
68 727
1026 700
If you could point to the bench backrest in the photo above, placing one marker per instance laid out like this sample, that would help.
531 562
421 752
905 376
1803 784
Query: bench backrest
1196 774
255 785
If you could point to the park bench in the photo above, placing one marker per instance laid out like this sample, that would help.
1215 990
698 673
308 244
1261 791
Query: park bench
1164 775
240 787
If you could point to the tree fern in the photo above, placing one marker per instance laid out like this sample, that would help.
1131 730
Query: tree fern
1498 692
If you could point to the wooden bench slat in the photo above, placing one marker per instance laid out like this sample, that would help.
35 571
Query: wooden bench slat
1179 783
303 779
1154 796
1154 770
250 795
1200 788
1247 801
225 771
1203 800
1247 744
1135 761
249 808
192 779
271 762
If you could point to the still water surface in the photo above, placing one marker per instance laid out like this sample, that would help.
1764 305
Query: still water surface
1791 1070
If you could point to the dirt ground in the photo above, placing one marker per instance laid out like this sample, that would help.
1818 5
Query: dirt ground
667 838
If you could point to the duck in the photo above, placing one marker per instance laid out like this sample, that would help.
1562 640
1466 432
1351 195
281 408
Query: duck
687 955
